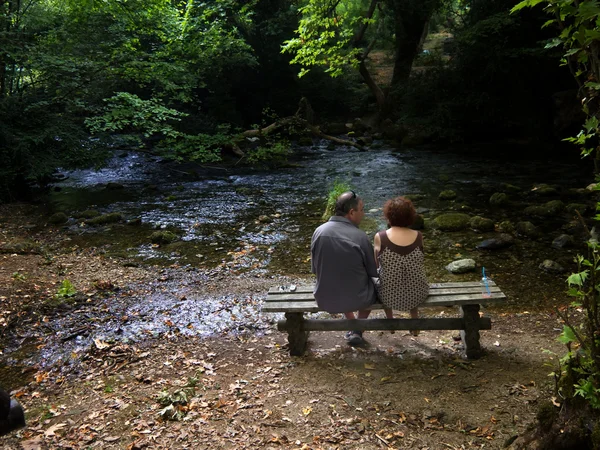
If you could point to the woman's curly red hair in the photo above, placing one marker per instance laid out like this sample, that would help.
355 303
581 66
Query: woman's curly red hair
399 212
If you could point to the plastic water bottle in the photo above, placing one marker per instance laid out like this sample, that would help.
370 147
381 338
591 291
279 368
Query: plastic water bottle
485 285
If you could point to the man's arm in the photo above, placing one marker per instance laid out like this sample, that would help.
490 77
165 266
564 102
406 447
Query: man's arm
369 257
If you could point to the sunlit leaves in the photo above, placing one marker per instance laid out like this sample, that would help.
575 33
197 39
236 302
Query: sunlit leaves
325 33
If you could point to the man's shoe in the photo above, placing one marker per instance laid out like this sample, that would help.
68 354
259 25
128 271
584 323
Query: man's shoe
354 338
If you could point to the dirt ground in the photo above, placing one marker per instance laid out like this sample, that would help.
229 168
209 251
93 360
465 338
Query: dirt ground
246 392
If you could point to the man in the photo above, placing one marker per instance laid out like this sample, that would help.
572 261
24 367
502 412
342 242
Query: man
344 262
12 416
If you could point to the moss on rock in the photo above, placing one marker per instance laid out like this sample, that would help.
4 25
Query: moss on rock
21 247
452 221
555 206
506 226
537 211
105 219
499 199
581 207
544 189
163 237
87 214
58 218
448 194
482 224
527 229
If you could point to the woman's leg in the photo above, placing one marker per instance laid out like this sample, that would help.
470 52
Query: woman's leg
414 314
389 314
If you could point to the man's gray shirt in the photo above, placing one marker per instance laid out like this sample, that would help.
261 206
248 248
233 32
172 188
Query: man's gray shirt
344 262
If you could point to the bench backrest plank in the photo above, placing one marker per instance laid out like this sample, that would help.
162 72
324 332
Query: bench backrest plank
440 294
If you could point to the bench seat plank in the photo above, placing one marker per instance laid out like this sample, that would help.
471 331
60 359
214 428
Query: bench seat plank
293 296
467 284
484 323
305 303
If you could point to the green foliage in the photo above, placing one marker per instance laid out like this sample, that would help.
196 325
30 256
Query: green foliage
66 290
141 67
127 112
578 27
202 147
339 187
325 32
18 276
174 404
491 86
579 369
274 154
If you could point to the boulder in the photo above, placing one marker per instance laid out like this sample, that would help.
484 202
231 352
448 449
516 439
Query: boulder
447 195
551 266
562 241
419 223
365 140
537 211
359 126
527 229
58 218
482 224
393 131
135 222
114 186
544 189
510 188
499 199
555 206
414 197
105 219
305 141
452 221
87 214
506 226
21 247
581 207
502 241
163 237
461 266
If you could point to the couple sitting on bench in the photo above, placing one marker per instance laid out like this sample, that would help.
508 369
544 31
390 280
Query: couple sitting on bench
352 274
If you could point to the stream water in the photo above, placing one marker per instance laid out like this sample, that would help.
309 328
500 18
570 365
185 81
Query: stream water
271 214
259 223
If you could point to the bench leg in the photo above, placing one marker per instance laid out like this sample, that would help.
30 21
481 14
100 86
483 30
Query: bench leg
297 336
470 335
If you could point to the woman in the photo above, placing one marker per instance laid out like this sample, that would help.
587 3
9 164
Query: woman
400 259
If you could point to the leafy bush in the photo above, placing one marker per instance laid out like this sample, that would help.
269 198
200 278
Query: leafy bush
274 154
66 290
339 187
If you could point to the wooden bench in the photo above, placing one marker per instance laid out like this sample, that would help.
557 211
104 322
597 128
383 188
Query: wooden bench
294 301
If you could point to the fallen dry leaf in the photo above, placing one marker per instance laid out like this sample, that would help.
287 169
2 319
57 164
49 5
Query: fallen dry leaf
53 429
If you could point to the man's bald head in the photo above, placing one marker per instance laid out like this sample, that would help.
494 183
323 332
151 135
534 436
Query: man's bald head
345 202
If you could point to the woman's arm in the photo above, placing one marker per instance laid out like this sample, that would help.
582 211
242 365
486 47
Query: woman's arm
377 248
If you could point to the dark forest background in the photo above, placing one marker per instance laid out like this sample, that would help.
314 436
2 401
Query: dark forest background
183 78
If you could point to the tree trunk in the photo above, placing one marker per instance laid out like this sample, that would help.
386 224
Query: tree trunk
410 19
362 68
373 86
